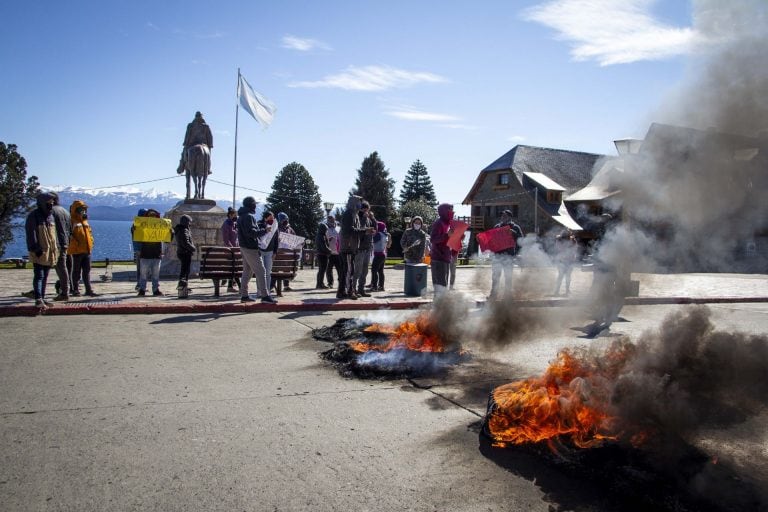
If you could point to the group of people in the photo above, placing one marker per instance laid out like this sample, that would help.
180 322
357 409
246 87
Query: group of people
149 255
60 239
350 248
361 241
259 240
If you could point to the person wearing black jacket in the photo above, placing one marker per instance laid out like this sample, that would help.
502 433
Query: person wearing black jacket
252 235
185 248
349 243
323 252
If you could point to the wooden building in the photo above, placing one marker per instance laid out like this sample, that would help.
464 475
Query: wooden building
531 182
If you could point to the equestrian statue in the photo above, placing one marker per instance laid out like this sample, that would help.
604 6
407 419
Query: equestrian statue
196 155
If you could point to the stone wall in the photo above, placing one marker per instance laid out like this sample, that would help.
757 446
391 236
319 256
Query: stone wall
207 219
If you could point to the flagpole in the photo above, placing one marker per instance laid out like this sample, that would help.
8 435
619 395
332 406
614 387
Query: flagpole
237 111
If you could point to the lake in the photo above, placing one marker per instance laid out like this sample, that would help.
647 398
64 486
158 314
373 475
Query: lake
111 239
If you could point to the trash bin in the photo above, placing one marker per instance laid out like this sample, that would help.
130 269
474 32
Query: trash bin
415 279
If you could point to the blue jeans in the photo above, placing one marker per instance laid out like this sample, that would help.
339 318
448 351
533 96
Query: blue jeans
39 279
267 257
149 267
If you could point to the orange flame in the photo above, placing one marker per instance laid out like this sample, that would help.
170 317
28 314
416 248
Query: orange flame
571 399
418 335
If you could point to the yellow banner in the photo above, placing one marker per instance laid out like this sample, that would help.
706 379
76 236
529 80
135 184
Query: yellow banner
151 229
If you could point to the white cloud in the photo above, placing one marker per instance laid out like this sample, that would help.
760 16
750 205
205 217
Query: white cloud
303 44
515 138
417 115
613 32
372 78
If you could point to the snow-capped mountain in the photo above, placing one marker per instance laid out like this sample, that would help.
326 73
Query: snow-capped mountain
117 203
114 197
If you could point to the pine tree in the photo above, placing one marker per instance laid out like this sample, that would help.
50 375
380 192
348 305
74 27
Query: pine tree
295 193
17 192
418 186
375 186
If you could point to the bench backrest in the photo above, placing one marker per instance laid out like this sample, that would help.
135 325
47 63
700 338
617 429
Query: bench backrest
286 263
220 262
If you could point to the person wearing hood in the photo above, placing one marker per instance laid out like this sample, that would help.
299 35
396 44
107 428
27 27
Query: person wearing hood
349 244
414 242
284 225
80 248
363 257
381 242
323 251
255 238
137 250
185 248
63 223
42 244
229 237
440 253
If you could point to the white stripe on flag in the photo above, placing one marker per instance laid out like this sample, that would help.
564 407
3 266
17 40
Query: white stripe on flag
254 103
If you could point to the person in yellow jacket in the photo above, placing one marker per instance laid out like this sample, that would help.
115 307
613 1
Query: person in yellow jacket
80 248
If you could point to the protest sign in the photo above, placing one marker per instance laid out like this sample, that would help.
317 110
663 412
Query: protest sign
289 241
496 239
454 241
151 229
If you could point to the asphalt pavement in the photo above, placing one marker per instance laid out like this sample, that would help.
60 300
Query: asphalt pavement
218 409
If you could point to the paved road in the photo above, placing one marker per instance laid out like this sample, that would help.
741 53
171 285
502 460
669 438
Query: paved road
237 412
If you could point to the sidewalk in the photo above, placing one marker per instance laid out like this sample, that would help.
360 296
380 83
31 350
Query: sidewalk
119 295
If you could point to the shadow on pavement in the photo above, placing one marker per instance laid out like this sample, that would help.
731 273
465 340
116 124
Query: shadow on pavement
195 318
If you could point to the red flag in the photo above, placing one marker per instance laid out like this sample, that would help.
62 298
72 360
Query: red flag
496 239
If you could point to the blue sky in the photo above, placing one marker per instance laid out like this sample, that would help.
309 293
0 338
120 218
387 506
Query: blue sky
99 93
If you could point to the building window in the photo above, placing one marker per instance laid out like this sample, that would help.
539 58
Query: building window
504 178
554 196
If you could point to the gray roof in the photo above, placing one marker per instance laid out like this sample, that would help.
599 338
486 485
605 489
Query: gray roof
570 169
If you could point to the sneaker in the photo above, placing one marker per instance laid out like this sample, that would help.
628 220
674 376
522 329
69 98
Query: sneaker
75 294
141 293
40 303
92 294
287 288
231 289
352 296
380 289
321 287
362 293
157 293
48 303
61 297
268 300
246 298
341 295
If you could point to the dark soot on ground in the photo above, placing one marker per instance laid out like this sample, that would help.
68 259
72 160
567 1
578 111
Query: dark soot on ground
398 363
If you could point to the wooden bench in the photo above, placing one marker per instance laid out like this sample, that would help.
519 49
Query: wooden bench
285 264
220 264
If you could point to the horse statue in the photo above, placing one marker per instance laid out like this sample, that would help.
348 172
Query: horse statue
196 162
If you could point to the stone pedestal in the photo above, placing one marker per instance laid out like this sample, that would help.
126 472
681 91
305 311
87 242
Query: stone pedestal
207 219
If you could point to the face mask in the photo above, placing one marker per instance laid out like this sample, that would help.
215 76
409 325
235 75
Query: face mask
416 225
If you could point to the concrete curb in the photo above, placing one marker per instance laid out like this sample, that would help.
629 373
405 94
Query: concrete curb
237 307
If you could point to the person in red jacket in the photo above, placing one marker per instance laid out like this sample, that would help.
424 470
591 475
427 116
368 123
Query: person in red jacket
440 252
